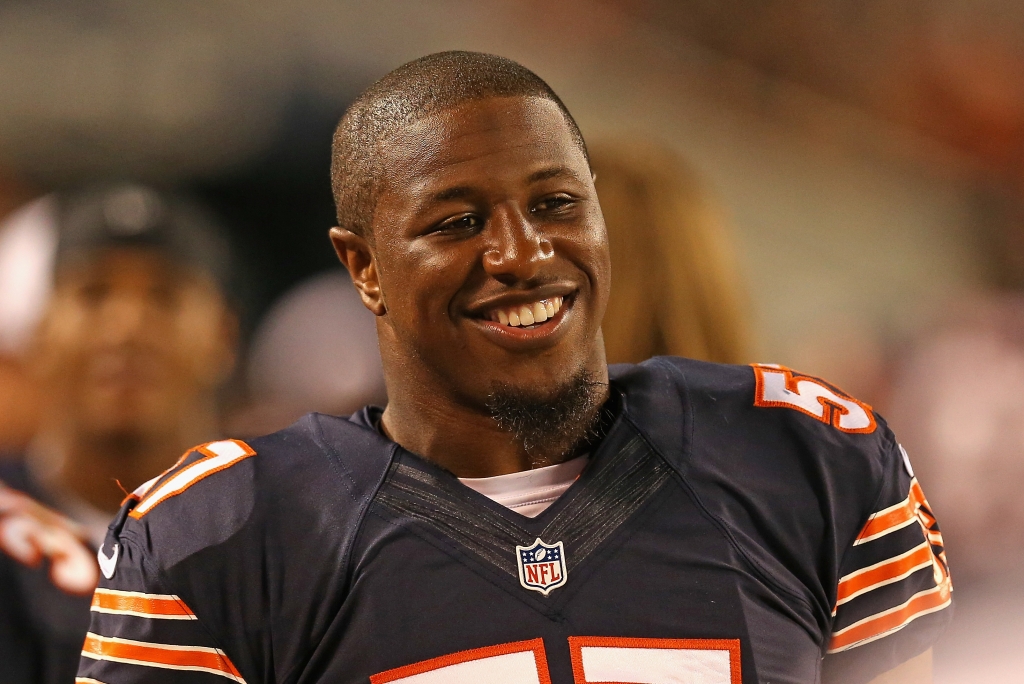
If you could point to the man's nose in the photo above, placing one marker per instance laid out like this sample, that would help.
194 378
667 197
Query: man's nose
517 250
125 318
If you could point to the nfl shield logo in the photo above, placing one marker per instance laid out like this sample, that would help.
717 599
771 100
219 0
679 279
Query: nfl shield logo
541 566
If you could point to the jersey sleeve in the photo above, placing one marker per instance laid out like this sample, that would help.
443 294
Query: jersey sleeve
894 593
140 631
147 621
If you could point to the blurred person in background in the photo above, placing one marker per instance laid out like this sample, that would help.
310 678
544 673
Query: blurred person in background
136 339
27 241
956 395
958 400
665 236
314 350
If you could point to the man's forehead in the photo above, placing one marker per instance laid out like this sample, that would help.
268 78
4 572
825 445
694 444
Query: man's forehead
529 131
111 262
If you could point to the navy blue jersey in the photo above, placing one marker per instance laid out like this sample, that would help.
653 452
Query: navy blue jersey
735 524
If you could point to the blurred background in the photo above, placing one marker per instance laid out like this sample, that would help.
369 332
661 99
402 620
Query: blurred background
850 175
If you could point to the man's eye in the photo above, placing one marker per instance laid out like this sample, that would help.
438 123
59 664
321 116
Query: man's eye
554 203
459 223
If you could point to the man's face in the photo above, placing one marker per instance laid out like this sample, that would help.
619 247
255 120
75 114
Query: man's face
489 218
131 343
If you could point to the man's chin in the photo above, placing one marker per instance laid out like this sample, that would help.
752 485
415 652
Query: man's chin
548 419
124 424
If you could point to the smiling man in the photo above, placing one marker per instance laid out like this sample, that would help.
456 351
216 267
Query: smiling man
519 513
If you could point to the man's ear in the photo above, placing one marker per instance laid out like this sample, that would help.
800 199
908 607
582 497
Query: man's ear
354 251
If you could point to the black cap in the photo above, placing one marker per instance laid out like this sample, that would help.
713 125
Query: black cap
132 215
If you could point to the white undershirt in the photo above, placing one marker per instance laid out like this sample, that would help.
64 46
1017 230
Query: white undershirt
529 492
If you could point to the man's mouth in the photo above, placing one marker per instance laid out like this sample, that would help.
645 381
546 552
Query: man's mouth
525 315
515 322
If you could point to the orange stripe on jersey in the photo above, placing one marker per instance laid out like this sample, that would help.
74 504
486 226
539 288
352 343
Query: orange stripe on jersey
886 572
87 680
163 656
885 623
412 672
160 606
217 456
894 517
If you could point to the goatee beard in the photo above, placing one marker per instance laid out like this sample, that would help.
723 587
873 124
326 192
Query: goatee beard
549 427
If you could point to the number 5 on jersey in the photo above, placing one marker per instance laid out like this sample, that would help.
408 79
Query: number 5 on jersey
594 659
779 386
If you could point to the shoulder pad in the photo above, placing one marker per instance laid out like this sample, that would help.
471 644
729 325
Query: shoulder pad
785 462
317 468
660 395
193 467
768 399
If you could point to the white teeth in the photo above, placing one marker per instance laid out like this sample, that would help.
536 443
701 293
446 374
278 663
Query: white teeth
540 313
528 314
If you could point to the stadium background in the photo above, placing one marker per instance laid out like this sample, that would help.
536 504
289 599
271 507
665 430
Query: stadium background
866 157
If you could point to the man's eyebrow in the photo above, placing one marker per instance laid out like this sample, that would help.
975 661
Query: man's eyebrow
460 191
457 192
550 172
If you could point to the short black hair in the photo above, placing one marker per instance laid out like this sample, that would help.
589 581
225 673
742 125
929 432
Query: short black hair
409 93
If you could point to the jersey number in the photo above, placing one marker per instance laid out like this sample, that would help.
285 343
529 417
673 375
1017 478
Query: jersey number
594 659
779 386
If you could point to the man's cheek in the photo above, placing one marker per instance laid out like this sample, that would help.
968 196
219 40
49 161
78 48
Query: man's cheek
60 354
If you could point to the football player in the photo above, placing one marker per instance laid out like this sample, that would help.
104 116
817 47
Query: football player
519 513
137 337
